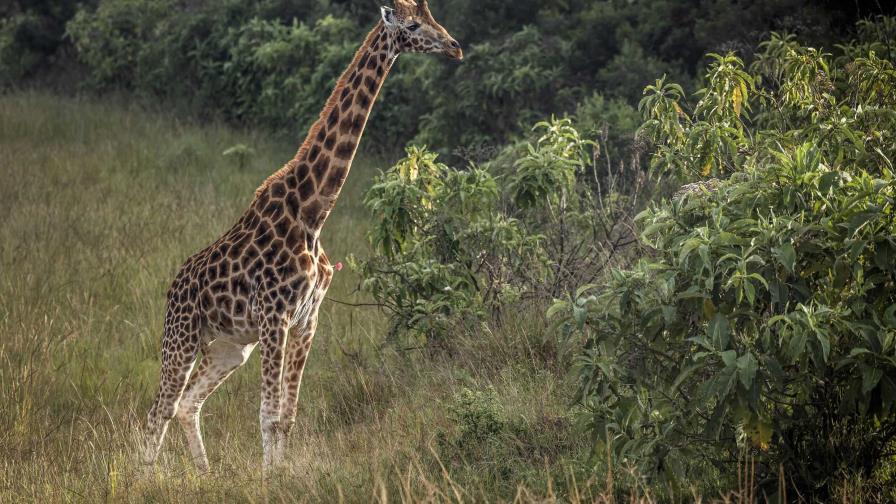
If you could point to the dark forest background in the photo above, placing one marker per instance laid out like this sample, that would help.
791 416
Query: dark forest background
271 63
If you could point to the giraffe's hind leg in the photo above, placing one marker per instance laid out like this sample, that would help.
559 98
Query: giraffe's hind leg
179 348
219 360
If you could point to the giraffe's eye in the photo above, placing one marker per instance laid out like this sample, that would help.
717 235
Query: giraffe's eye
414 27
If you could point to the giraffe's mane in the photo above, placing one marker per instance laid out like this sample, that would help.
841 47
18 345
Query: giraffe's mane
333 101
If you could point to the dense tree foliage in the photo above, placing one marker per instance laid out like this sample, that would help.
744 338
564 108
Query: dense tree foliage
31 35
272 62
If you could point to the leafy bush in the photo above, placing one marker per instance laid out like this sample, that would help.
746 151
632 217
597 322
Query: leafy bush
454 246
477 415
444 253
500 88
764 321
613 122
110 57
484 435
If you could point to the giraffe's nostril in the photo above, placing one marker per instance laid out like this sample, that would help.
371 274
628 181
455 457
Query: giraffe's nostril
454 44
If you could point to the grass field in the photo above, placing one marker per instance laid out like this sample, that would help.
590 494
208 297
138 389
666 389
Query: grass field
100 203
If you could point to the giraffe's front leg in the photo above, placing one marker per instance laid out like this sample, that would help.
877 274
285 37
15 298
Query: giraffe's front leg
297 349
273 340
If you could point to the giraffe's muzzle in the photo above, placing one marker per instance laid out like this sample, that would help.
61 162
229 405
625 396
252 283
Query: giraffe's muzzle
454 50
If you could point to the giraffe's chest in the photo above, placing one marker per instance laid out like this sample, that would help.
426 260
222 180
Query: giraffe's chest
319 282
238 300
305 308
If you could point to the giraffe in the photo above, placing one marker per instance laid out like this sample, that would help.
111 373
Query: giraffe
262 282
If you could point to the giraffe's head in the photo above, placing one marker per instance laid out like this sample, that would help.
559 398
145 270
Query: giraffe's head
417 31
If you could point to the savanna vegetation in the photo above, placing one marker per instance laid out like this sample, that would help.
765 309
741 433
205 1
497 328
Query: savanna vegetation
638 251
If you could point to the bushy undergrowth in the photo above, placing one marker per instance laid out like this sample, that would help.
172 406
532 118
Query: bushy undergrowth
763 324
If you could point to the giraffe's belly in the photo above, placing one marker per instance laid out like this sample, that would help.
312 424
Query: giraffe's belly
237 337
231 322
246 331
319 275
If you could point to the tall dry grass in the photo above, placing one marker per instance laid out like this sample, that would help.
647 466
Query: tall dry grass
100 202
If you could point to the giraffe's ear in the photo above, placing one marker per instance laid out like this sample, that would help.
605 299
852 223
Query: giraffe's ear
388 16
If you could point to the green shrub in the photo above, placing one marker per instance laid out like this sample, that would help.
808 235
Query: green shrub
444 253
117 41
629 71
280 74
500 89
253 69
764 321
454 247
241 153
477 415
484 434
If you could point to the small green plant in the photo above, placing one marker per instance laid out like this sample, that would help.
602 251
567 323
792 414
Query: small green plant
242 153
481 432
708 140
477 415
546 176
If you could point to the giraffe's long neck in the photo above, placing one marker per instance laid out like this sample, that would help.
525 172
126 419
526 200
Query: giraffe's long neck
319 170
